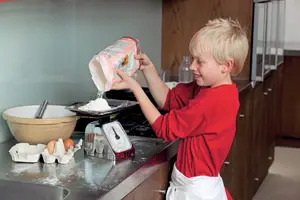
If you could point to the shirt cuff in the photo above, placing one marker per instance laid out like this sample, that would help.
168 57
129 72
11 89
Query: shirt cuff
156 126
167 102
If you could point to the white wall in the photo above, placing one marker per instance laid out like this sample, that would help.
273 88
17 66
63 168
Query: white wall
45 46
292 25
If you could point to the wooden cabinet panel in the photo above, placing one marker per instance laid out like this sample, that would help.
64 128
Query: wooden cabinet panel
271 93
290 98
182 18
257 141
278 86
151 187
266 96
263 124
236 169
242 152
252 152
227 172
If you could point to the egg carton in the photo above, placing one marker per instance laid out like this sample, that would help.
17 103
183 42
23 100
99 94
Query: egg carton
24 152
60 154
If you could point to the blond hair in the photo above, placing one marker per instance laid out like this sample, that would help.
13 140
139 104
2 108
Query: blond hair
224 39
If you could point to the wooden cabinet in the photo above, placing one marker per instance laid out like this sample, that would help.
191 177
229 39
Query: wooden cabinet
257 140
244 133
241 155
181 19
271 93
236 171
290 128
278 95
227 171
252 152
265 97
152 187
261 134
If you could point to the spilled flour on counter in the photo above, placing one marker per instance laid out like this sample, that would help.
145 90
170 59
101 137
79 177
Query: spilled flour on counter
98 104
52 180
19 168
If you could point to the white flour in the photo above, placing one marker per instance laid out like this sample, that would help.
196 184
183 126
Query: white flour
99 104
52 180
19 168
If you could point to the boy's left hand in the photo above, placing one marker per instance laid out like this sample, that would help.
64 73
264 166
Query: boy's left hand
126 82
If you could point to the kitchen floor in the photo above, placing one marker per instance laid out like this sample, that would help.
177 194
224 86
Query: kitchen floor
283 180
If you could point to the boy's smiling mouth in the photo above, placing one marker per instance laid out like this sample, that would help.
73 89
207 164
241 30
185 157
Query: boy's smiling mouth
197 76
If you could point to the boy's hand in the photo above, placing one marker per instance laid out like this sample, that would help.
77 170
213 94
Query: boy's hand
144 60
126 82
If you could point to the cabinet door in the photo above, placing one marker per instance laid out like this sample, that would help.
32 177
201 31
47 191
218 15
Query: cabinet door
257 140
264 129
270 116
152 188
278 85
290 98
236 168
242 151
227 171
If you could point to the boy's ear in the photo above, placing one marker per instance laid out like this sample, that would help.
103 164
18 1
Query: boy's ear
227 67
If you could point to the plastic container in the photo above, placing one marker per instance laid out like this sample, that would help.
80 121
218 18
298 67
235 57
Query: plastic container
119 55
185 74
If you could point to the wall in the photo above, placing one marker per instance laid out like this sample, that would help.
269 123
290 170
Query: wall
46 46
292 28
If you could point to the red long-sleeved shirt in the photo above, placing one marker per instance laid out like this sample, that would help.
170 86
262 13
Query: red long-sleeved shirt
205 121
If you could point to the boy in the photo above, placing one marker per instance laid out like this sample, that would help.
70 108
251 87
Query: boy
202 114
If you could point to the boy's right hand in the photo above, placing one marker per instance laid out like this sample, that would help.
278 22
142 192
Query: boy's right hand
126 82
145 61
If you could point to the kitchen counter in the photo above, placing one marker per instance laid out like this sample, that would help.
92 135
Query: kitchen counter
87 177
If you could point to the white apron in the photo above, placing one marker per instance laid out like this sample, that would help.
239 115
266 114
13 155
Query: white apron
195 188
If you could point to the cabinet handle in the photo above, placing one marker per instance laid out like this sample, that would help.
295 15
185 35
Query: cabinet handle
242 115
160 191
227 163
256 179
270 158
269 89
266 93
267 67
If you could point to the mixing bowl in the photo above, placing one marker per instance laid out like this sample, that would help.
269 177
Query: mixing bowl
57 122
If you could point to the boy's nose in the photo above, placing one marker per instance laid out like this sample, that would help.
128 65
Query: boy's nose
192 66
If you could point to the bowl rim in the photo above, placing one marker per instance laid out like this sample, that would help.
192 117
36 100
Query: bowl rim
23 120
